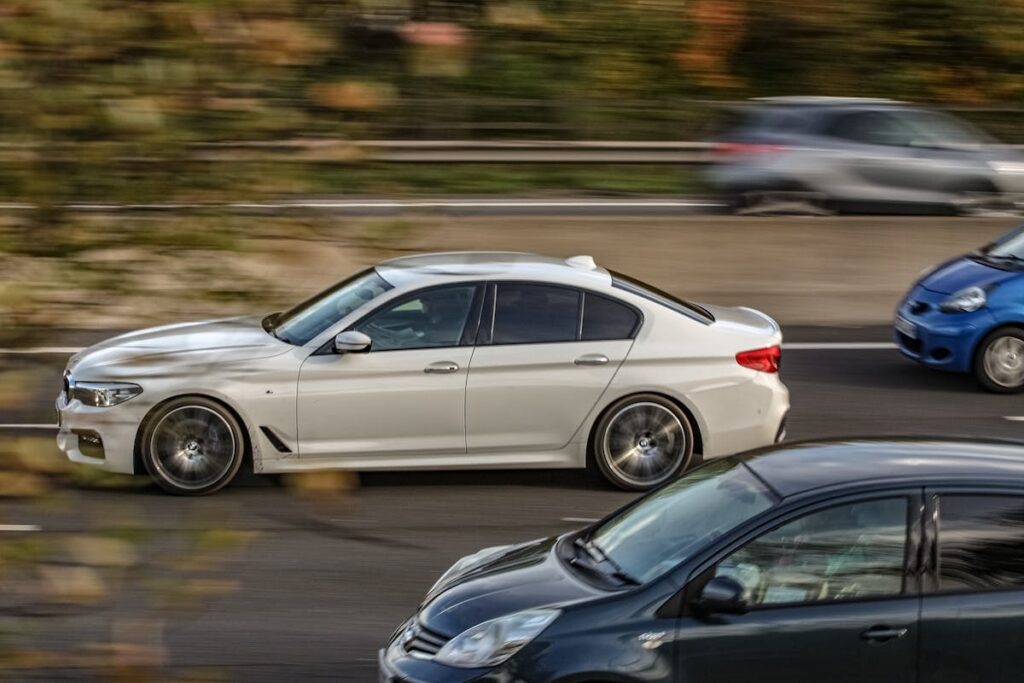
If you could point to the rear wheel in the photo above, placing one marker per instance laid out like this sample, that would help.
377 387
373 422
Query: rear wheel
642 441
192 446
999 363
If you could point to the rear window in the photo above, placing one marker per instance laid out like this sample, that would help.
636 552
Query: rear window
604 319
981 543
535 314
642 289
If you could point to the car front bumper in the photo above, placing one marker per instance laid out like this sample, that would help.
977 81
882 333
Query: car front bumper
945 341
81 426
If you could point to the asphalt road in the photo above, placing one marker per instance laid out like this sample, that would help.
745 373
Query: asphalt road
320 587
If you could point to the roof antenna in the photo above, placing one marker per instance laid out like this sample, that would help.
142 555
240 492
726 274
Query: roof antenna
582 261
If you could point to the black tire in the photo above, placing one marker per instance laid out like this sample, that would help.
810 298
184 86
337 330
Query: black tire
192 446
999 361
661 436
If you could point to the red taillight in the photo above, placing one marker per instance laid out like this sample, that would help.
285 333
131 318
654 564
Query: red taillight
762 360
744 148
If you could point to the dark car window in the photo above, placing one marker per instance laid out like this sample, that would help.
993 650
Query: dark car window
847 552
872 128
981 543
677 520
434 318
535 313
604 318
651 293
304 322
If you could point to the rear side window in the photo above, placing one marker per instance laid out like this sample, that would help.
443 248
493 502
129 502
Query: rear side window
981 543
527 313
604 318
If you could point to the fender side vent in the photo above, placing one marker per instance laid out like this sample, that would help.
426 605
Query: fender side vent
274 439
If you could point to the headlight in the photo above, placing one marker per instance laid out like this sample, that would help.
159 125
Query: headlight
965 301
494 641
470 562
103 394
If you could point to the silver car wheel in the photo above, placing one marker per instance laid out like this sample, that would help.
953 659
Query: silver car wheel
1004 362
193 447
644 443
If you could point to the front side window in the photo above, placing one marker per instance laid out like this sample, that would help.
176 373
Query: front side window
873 128
526 313
981 543
430 319
848 552
303 323
676 521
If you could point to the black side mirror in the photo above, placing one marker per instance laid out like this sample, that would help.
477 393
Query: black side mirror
722 594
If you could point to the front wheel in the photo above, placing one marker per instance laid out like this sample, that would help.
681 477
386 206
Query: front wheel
999 364
192 446
642 441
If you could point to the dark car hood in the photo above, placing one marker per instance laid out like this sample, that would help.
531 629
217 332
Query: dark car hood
527 576
954 275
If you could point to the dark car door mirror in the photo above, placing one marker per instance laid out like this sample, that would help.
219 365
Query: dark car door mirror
352 342
722 594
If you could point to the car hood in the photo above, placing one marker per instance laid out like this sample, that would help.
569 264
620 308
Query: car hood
229 339
952 276
526 576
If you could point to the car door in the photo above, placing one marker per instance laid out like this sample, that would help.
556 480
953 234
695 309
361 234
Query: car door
406 395
541 363
832 595
972 615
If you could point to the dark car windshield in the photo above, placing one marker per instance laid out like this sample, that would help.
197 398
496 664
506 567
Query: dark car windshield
671 524
303 323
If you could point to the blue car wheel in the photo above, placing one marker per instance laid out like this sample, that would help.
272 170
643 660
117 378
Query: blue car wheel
999 362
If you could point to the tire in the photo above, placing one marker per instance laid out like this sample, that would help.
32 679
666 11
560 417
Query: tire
999 361
192 446
642 441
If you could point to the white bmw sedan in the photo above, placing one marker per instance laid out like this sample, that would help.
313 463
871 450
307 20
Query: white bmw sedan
461 360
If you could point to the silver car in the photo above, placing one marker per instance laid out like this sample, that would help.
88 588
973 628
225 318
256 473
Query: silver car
852 154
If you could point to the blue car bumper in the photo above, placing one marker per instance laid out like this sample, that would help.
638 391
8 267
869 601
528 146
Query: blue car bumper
945 341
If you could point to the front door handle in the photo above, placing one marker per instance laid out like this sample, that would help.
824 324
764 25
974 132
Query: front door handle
443 367
883 634
592 359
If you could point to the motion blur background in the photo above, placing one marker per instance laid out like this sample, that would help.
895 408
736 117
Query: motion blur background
177 159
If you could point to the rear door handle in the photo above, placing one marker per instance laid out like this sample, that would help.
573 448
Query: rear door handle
883 634
592 359
443 367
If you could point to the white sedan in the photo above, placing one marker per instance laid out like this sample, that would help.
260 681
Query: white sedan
439 361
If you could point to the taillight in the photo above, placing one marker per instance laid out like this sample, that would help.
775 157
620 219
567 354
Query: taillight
762 360
745 148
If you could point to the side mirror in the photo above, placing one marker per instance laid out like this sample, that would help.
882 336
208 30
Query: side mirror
352 342
724 595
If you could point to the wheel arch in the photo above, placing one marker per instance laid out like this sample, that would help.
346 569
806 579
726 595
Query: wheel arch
247 451
1003 325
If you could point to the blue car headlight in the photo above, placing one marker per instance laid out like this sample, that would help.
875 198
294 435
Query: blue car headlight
967 300
494 641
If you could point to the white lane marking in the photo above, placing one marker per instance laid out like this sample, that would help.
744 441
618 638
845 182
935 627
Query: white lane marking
580 520
1014 418
29 350
27 426
837 346
20 527
789 346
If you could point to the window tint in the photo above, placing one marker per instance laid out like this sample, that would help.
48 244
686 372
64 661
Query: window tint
304 322
642 289
433 318
981 543
534 314
873 128
842 553
604 318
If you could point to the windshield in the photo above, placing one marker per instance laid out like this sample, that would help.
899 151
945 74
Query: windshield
942 130
687 308
1009 246
303 323
669 525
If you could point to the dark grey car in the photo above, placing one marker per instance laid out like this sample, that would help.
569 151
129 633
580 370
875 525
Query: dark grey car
853 154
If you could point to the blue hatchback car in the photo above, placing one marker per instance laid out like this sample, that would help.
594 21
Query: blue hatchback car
967 315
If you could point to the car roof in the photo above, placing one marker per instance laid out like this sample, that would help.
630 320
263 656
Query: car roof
425 269
805 466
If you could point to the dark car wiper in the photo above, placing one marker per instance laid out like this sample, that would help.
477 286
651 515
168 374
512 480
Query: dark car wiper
595 553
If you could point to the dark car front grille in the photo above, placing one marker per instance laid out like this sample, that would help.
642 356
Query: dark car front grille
420 641
66 386
910 344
